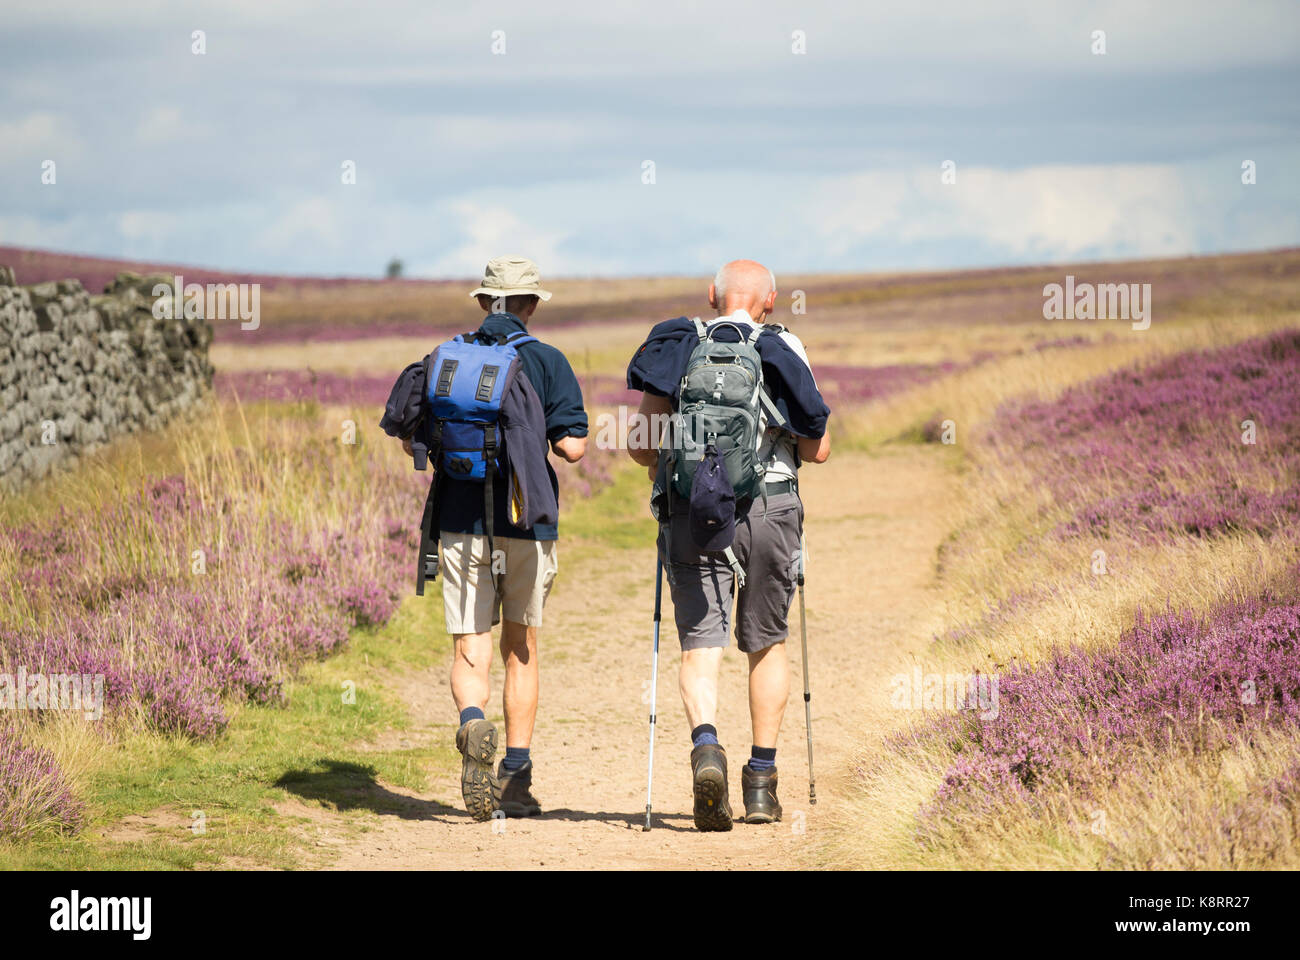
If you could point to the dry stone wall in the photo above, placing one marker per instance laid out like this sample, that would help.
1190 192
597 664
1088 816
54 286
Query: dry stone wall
78 370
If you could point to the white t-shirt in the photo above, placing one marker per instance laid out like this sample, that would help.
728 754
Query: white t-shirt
776 447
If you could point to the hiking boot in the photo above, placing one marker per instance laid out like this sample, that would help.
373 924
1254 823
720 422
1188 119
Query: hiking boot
759 788
477 743
709 770
515 791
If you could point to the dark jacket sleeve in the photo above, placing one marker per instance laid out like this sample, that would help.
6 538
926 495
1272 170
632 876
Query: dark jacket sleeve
656 368
530 498
658 364
563 407
792 388
402 412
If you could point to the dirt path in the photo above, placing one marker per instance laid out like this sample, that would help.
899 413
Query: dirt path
873 527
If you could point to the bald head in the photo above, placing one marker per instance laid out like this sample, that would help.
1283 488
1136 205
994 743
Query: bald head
743 285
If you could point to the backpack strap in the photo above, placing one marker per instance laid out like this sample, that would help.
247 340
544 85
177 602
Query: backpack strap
667 463
774 418
489 502
519 339
419 449
427 563
737 570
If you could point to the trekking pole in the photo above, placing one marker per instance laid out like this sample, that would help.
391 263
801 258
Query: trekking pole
807 692
654 689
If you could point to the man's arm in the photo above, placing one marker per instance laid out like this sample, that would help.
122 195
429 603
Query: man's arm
641 445
570 449
565 414
811 449
815 449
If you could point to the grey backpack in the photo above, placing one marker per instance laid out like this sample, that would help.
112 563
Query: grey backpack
720 404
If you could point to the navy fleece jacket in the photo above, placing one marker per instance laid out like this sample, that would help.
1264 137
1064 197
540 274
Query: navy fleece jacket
658 365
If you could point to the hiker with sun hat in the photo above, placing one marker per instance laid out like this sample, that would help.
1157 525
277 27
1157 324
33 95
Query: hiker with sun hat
485 410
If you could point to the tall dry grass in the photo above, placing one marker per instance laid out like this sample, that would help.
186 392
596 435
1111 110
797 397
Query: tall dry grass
1014 591
190 572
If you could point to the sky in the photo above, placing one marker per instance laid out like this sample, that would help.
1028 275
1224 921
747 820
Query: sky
531 128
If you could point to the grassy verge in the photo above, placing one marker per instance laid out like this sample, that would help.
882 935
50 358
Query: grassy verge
616 518
1016 592
143 791
245 800
144 786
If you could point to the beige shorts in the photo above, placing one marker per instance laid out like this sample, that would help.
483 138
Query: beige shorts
525 571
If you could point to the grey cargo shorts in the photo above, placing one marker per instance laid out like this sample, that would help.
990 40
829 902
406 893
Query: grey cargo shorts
702 585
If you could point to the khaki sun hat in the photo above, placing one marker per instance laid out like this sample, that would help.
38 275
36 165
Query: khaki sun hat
509 277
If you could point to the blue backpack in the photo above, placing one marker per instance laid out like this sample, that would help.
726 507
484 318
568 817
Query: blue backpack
464 394
464 382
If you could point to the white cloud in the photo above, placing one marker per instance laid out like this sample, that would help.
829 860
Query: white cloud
32 131
169 125
842 211
147 227
38 134
491 231
1056 210
27 231
314 222
826 161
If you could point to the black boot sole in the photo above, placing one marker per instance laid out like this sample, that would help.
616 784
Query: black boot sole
712 807
477 779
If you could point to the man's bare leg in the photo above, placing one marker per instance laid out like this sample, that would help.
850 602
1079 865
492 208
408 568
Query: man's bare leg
476 739
470 684
769 691
698 680
519 698
519 654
